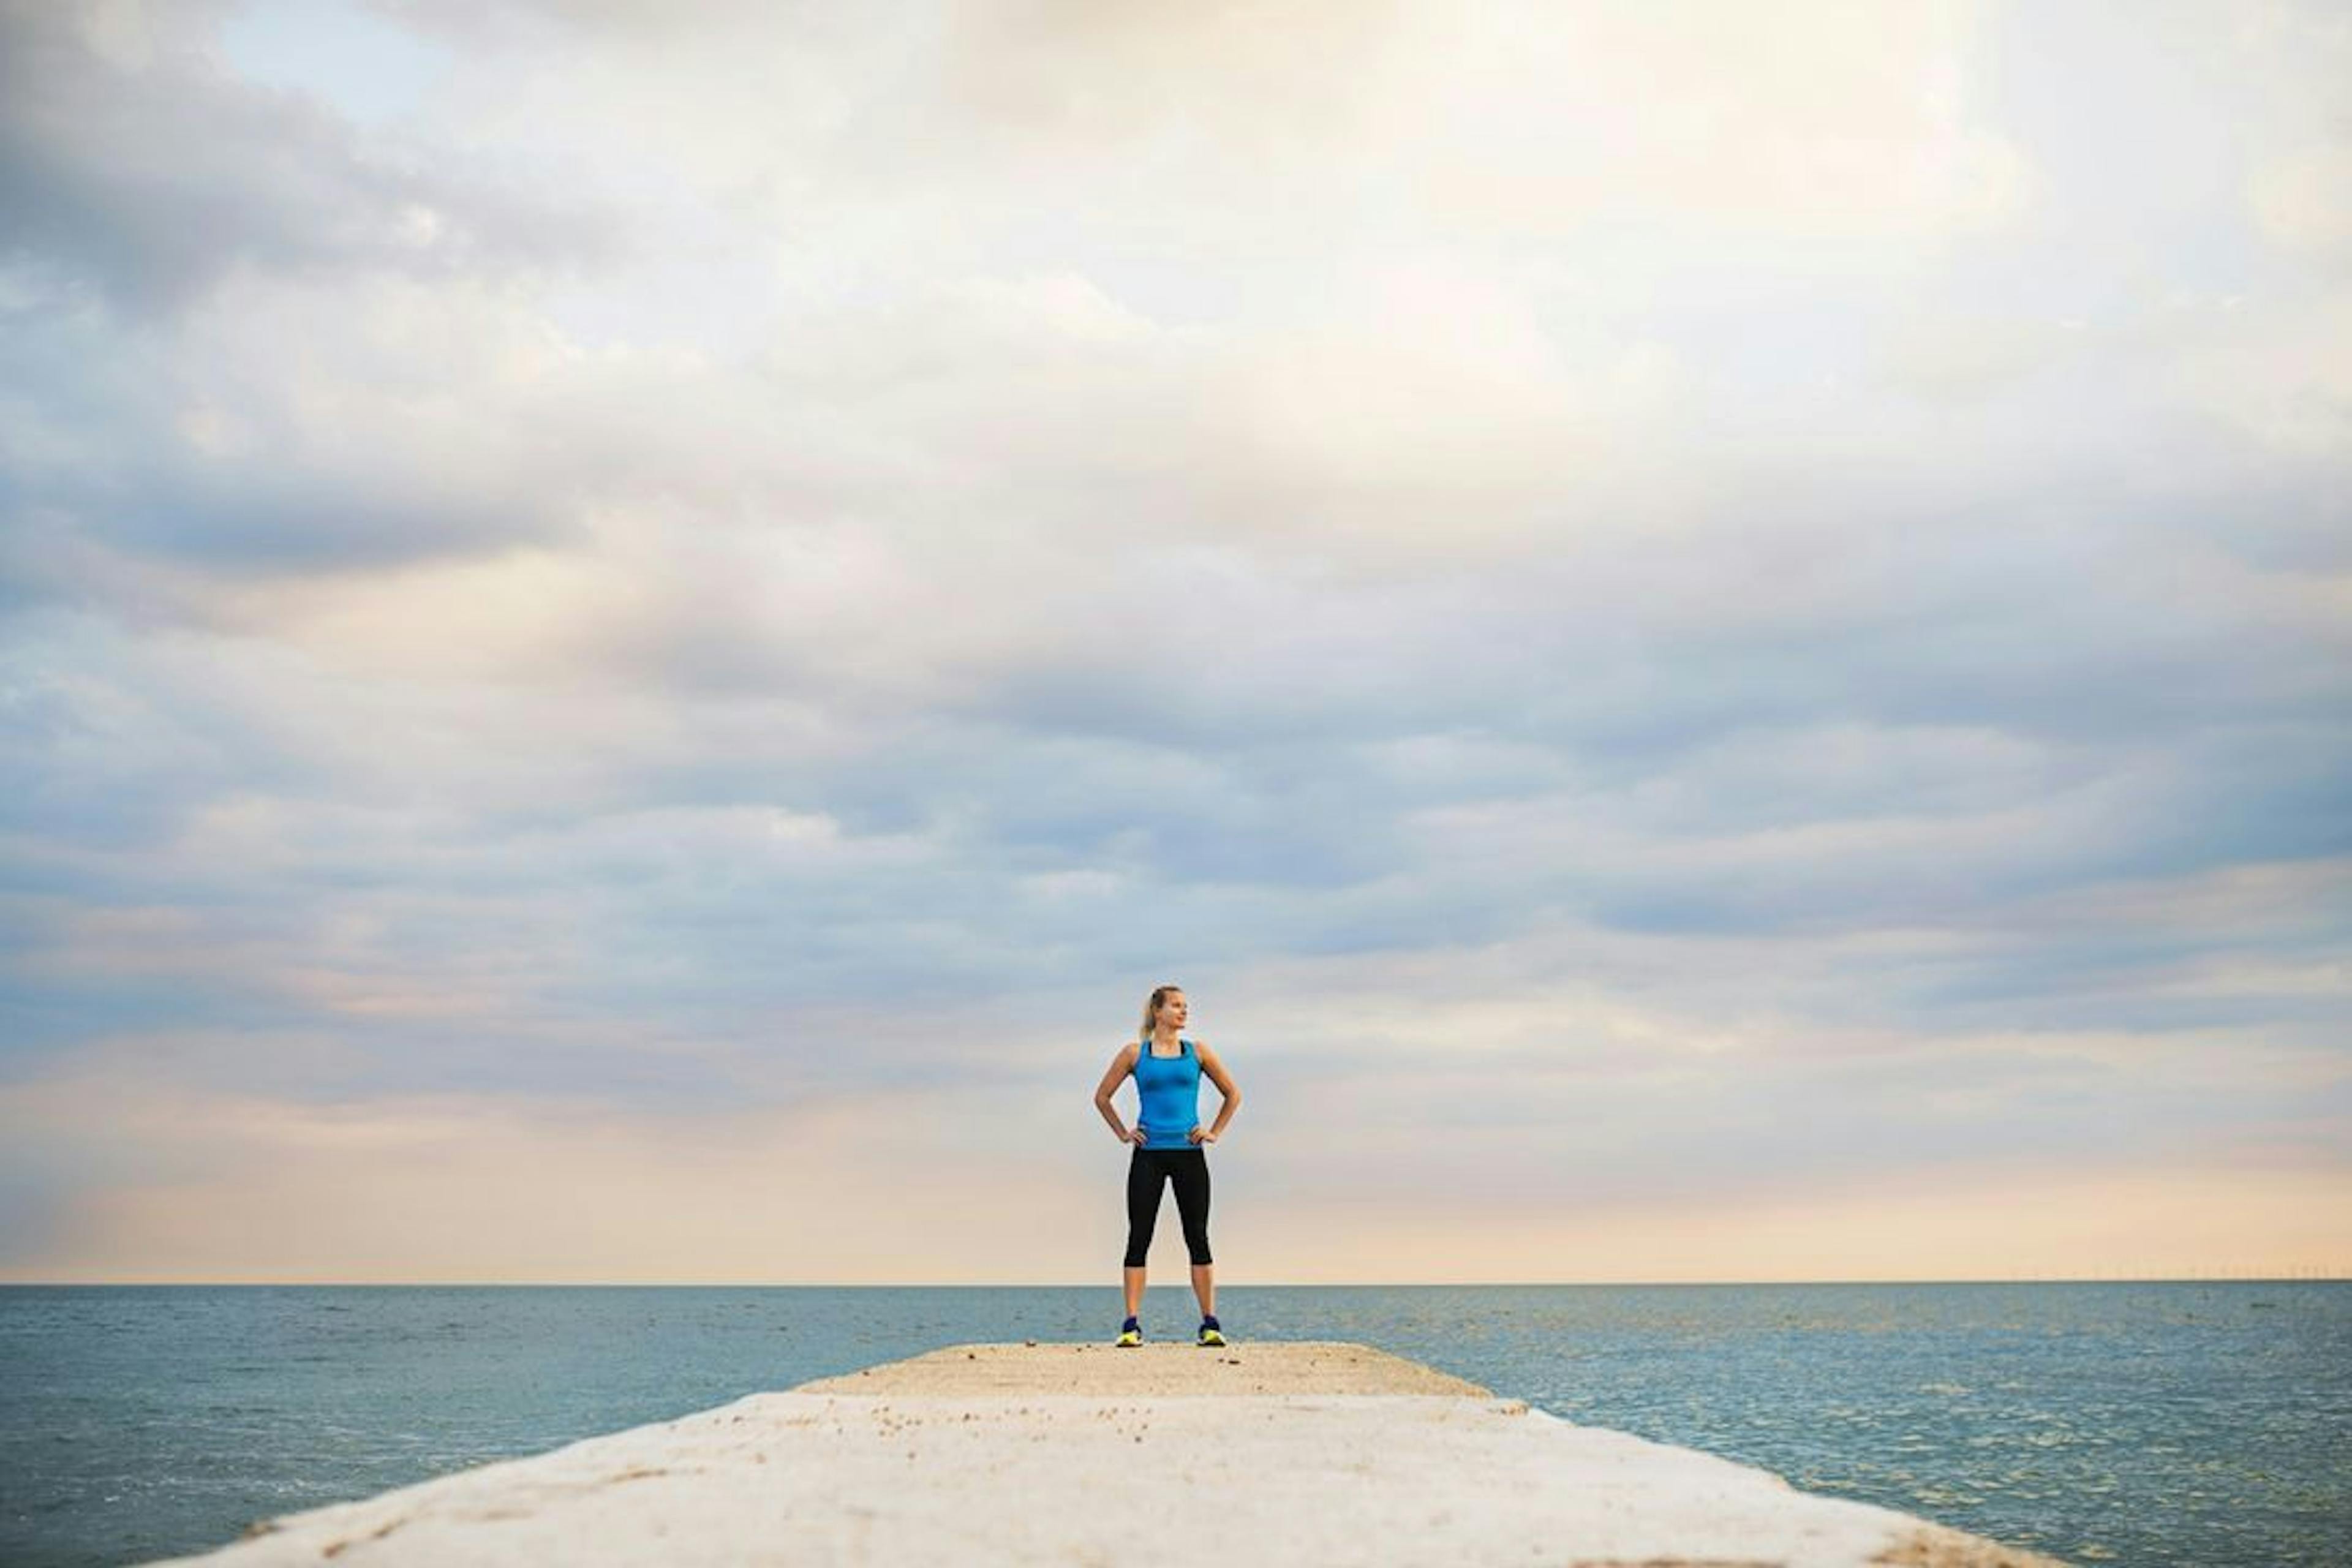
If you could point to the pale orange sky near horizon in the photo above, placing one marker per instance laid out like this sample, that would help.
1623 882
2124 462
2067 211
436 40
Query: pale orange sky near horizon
453 1192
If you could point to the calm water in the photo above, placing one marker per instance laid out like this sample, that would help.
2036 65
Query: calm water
2198 1425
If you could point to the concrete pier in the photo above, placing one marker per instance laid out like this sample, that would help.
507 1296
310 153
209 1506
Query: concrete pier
1309 1453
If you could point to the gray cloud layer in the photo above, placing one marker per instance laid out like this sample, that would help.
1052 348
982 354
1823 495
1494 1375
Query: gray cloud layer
743 560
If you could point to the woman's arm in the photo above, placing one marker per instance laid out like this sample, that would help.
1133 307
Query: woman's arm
1120 1066
1215 1069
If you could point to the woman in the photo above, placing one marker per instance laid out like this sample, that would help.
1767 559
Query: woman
1169 1146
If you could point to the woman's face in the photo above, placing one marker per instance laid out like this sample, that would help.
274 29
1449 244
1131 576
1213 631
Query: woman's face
1173 1010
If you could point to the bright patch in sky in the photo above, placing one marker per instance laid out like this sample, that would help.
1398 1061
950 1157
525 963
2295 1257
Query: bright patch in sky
365 67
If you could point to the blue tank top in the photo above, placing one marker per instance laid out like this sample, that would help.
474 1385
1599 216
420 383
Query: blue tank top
1168 1096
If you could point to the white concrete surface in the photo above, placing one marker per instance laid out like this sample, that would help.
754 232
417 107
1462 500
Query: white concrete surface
1126 1481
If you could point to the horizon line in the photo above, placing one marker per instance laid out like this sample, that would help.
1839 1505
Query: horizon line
2334 1277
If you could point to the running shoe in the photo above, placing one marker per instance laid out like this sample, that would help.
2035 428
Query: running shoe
1130 1333
1209 1333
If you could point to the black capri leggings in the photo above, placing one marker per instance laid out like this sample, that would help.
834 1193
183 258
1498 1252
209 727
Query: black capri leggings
1189 1169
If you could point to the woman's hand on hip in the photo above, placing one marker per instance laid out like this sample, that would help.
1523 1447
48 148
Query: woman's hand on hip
1200 1138
1134 1135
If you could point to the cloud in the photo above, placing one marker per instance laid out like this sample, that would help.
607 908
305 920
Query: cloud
1640 605
2298 199
135 165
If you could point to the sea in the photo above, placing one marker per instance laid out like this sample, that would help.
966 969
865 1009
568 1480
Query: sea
2189 1425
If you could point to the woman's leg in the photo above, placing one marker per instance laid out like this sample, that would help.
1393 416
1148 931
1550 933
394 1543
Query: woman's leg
1191 1176
1144 1174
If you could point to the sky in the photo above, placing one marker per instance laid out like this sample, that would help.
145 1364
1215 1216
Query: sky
1716 641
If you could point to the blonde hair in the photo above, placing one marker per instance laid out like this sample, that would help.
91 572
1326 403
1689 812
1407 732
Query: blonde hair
1160 994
